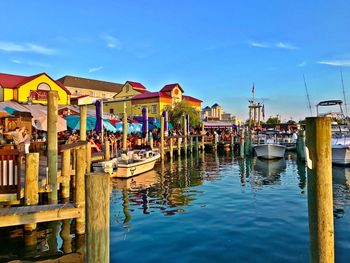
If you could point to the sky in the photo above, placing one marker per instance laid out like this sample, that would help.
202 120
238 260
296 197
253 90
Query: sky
214 49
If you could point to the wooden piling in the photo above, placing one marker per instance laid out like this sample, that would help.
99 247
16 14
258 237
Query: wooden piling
97 217
171 147
301 145
191 143
242 144
31 184
66 237
179 145
88 157
196 147
52 143
107 150
125 131
185 133
80 189
65 174
162 137
203 134
320 196
83 114
151 142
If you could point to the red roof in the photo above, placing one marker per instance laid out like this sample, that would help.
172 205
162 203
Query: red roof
190 98
170 87
15 81
137 85
148 95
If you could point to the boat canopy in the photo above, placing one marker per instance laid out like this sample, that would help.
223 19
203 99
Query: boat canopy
330 103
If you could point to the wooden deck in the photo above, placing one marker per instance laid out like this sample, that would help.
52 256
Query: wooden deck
38 213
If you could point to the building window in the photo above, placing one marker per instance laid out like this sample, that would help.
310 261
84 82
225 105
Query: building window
111 111
127 88
154 109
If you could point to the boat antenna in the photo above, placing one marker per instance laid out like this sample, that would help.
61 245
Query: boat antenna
342 84
308 96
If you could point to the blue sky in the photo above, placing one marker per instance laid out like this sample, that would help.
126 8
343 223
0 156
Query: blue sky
214 49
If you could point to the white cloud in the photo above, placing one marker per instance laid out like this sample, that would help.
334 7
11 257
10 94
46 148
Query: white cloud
285 45
281 45
337 63
91 70
302 64
31 63
112 42
26 47
260 45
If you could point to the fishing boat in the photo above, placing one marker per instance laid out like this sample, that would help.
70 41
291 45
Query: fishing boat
135 162
268 146
340 132
130 164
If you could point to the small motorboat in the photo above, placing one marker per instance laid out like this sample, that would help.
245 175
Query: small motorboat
268 148
135 162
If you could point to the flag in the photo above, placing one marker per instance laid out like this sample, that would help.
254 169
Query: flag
253 88
263 111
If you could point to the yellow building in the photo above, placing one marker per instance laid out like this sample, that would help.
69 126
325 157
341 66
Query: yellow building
31 88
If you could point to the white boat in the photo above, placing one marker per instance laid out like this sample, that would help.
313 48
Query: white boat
268 148
135 163
270 151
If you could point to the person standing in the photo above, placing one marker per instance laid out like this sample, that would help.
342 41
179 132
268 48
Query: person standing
17 136
26 141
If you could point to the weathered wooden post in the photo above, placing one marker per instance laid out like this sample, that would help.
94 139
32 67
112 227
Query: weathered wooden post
97 217
197 144
203 134
232 138
83 114
301 145
151 142
31 184
319 185
52 143
65 174
191 143
88 157
66 237
171 147
242 144
107 150
80 189
162 137
179 145
185 133
125 131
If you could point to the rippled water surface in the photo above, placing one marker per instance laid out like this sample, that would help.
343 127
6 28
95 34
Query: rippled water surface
217 208
200 208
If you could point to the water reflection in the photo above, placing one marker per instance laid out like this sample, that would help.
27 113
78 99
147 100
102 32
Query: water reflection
267 172
341 190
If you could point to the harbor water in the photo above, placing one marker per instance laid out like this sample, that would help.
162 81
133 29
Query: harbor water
210 207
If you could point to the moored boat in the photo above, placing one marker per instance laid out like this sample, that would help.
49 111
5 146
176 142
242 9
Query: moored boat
270 151
135 163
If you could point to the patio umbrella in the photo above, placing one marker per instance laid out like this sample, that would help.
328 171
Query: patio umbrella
40 123
73 122
165 115
136 127
98 126
108 126
145 119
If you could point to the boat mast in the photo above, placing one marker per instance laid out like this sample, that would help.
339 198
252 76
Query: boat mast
342 83
308 96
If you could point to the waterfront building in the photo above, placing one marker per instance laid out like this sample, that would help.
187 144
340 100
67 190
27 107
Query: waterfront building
212 113
86 91
31 89
134 96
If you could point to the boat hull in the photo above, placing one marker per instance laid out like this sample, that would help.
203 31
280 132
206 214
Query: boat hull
136 168
341 154
270 151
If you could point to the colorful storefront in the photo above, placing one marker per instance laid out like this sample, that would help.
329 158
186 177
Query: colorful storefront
31 89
